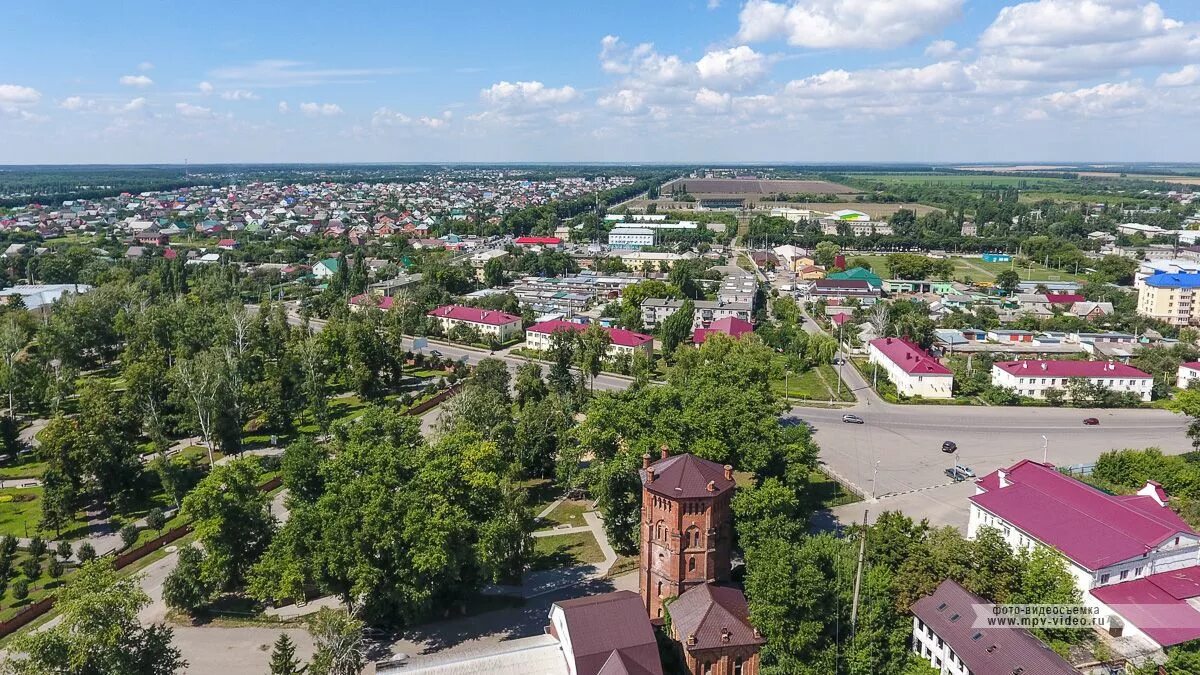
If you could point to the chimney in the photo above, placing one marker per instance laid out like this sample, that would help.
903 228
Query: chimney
649 474
646 461
725 635
712 486
728 472
691 639
1044 366
1154 491
663 451
1024 365
1003 475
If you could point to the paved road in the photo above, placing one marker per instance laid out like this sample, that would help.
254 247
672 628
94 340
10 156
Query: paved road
905 440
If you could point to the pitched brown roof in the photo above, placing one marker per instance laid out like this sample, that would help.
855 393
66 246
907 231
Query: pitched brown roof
716 615
686 477
997 651
601 625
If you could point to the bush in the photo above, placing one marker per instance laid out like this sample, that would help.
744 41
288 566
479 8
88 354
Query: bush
86 552
31 567
155 520
129 534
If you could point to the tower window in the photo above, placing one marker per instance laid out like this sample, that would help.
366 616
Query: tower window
691 564
737 666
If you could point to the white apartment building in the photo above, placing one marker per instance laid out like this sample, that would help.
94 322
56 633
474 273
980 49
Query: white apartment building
1034 377
656 310
914 372
1169 297
630 238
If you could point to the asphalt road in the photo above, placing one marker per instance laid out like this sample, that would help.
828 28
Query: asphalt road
905 440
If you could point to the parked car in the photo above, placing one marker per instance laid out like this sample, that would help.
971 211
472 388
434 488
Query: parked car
838 361
1091 421
434 352
949 446
960 473
852 419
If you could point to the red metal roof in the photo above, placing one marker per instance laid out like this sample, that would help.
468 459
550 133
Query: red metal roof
1193 365
997 651
550 241
1088 526
687 477
1158 604
490 317
1045 368
1064 298
620 336
911 358
601 625
716 615
730 325
366 300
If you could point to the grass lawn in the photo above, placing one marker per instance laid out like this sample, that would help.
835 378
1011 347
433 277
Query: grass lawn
565 550
816 384
542 493
39 588
977 269
21 510
827 492
570 512
24 467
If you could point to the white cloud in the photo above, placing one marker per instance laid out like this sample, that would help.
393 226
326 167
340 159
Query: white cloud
1103 100
712 101
193 111
435 122
139 103
283 73
136 81
205 88
239 95
386 117
15 95
76 103
714 4
643 64
531 94
949 76
941 49
859 24
624 102
1184 77
320 109
1060 23
145 65
733 67
283 107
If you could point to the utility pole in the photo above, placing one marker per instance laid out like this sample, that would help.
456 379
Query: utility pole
1045 448
862 550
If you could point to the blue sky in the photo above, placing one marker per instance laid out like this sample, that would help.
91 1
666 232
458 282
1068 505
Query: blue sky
694 81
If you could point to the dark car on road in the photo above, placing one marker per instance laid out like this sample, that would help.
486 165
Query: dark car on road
852 419
1091 421
949 446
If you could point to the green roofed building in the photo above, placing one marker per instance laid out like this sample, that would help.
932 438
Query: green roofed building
859 274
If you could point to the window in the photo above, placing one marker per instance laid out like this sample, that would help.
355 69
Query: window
953 618
708 668
1124 575
691 564
737 666
976 636
1104 578
1137 572
660 589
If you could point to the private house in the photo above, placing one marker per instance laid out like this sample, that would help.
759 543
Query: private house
910 368
364 301
326 268
944 634
624 342
730 325
838 289
538 242
998 335
1034 377
489 323
1091 311
604 635
859 274
1131 556
227 244
1188 373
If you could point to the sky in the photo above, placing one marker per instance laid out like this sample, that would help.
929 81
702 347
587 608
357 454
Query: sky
696 81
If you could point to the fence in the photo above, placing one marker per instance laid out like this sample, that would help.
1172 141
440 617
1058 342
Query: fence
434 401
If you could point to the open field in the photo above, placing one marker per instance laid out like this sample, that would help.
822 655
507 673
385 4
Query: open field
565 550
756 205
737 186
1161 177
817 384
964 180
977 269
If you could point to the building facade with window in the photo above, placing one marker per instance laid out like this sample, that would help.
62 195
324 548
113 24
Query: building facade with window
1170 298
944 634
1034 377
1108 541
489 322
911 369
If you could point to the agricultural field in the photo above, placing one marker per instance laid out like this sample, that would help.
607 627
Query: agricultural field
737 186
964 180
978 270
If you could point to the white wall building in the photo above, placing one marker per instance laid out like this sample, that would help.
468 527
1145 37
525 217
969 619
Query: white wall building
911 369
1034 377
1188 373
630 238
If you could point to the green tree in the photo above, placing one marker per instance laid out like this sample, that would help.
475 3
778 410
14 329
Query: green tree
338 643
530 386
283 657
493 273
1007 281
677 328
593 349
301 470
185 588
491 373
98 631
232 519
825 252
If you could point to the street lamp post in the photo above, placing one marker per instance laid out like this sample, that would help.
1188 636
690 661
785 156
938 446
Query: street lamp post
874 475
1045 448
787 393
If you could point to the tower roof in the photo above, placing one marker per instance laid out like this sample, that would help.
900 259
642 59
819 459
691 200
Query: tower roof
686 477
715 616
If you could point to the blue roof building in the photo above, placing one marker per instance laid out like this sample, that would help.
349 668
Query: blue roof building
1169 280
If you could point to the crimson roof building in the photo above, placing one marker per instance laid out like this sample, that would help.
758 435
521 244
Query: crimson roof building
1034 378
488 322
910 368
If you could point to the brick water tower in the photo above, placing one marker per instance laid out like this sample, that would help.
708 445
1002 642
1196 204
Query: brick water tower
687 526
